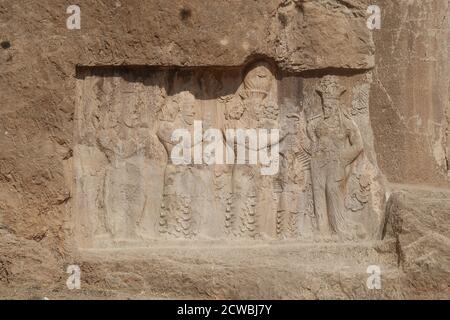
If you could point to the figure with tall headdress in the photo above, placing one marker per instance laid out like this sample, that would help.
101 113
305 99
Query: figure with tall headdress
251 213
337 143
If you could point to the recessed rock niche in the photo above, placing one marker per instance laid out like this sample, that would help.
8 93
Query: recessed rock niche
127 191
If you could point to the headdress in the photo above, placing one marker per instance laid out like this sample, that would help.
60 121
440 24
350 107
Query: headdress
329 88
258 80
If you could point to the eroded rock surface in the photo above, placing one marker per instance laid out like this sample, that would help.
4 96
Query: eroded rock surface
419 221
86 176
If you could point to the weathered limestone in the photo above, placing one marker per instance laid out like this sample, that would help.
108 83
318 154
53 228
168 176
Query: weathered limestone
86 176
419 222
410 93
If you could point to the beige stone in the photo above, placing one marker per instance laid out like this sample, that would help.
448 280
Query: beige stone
87 178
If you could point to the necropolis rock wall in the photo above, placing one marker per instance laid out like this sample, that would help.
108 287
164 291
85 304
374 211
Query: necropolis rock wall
38 75
47 97
410 96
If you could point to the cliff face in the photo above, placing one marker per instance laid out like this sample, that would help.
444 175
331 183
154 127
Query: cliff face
396 81
409 95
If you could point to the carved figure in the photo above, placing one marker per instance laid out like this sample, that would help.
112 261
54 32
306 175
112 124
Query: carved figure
188 198
295 213
125 140
250 213
337 143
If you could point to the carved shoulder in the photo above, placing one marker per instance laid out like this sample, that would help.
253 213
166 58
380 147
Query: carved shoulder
164 131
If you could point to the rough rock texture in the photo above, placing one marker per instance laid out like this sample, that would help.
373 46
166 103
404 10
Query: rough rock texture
409 98
419 221
404 67
25 263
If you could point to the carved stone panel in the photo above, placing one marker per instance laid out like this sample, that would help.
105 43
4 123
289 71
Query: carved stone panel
134 187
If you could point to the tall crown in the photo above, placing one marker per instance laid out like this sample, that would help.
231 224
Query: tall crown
330 88
258 79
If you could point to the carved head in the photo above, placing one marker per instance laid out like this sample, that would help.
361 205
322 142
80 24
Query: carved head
258 81
187 104
133 117
170 109
292 123
331 91
182 104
